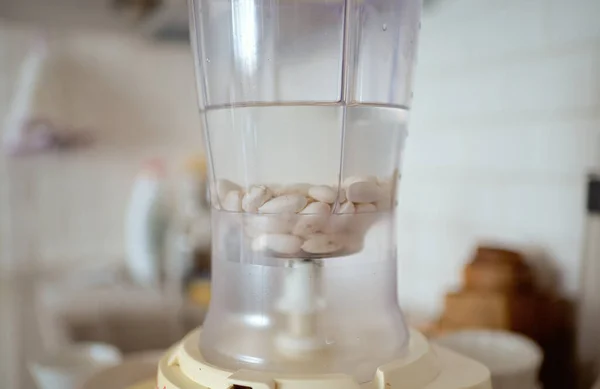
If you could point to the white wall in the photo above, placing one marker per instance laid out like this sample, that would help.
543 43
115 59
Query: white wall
506 124
137 98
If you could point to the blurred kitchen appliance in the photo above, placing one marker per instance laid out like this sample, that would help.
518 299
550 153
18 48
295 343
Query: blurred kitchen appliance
146 226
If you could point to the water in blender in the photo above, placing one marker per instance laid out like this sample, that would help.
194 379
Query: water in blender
302 272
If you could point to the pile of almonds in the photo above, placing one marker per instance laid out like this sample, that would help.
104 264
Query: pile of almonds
305 220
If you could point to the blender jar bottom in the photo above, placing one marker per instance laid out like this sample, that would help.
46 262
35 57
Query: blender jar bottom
329 316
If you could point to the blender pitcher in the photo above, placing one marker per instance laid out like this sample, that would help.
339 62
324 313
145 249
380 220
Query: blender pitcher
304 106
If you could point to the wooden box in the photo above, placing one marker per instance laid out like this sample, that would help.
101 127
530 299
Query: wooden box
491 310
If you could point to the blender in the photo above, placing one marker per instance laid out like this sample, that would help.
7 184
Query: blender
304 106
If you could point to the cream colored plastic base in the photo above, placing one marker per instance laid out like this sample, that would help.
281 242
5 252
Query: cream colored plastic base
425 367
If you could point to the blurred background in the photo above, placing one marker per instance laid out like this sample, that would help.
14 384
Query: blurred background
498 215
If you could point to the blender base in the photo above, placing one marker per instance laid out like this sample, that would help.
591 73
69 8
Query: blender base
425 367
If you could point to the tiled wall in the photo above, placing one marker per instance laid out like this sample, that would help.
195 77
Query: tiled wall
505 127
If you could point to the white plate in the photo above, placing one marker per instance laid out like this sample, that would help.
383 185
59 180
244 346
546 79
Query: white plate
514 360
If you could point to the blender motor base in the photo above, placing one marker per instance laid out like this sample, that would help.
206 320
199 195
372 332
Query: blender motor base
425 367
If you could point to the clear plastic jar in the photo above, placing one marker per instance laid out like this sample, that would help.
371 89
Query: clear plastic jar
305 108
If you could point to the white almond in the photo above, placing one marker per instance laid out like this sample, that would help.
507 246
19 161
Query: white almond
321 244
352 179
255 198
352 243
364 218
299 189
323 193
220 190
312 219
363 192
279 243
225 186
347 208
284 204
275 189
342 217
281 223
233 201
316 208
